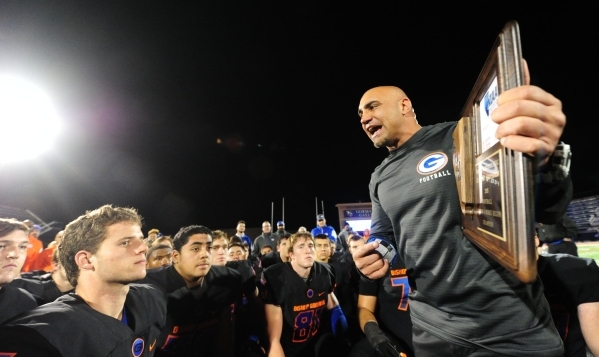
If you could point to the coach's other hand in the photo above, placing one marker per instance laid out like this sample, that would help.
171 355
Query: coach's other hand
369 261
530 120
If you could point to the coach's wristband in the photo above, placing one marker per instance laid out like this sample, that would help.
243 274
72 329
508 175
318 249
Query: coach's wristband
385 249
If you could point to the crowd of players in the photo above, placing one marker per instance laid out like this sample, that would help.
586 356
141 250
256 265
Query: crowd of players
199 292
208 294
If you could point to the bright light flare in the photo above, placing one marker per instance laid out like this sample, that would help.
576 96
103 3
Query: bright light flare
28 121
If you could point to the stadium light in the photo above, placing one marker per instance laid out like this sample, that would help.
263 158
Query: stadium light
25 113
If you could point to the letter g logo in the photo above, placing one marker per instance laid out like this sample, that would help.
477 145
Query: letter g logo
432 163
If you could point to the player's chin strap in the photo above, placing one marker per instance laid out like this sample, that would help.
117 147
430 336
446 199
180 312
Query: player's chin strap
338 321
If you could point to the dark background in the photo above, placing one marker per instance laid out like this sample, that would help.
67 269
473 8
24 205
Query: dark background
207 112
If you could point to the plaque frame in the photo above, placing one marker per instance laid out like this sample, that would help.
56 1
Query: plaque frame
499 220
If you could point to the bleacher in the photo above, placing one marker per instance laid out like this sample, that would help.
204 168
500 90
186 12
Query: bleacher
585 213
23 214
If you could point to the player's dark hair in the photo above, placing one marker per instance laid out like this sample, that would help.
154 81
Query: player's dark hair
295 237
235 239
182 237
9 225
236 244
241 222
356 237
321 236
87 232
284 236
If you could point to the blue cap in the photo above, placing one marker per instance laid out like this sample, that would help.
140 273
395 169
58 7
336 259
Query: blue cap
37 227
320 217
281 223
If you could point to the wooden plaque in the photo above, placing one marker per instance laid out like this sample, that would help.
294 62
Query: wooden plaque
495 184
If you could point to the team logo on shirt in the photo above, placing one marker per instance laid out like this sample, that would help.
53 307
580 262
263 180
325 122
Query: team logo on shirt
310 293
137 349
432 163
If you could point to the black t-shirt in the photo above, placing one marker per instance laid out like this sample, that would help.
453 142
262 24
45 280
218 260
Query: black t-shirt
302 302
69 327
343 289
193 317
392 306
14 301
271 258
45 290
569 281
460 294
167 279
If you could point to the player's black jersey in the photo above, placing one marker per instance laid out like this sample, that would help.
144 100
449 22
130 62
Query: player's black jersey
392 309
167 279
14 301
302 302
46 291
342 288
194 316
69 327
460 294
271 258
569 281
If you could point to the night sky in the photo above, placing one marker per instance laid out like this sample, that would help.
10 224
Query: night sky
206 112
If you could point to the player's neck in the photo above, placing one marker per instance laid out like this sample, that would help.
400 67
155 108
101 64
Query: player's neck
107 298
304 273
190 281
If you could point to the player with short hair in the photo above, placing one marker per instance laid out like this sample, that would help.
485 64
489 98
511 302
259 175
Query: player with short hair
159 255
281 255
296 293
47 287
322 247
13 251
236 252
354 241
220 248
265 250
102 253
199 319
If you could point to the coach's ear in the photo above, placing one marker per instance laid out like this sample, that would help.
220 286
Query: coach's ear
176 257
83 259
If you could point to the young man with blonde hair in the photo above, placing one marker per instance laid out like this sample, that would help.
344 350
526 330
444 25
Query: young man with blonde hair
296 294
102 252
